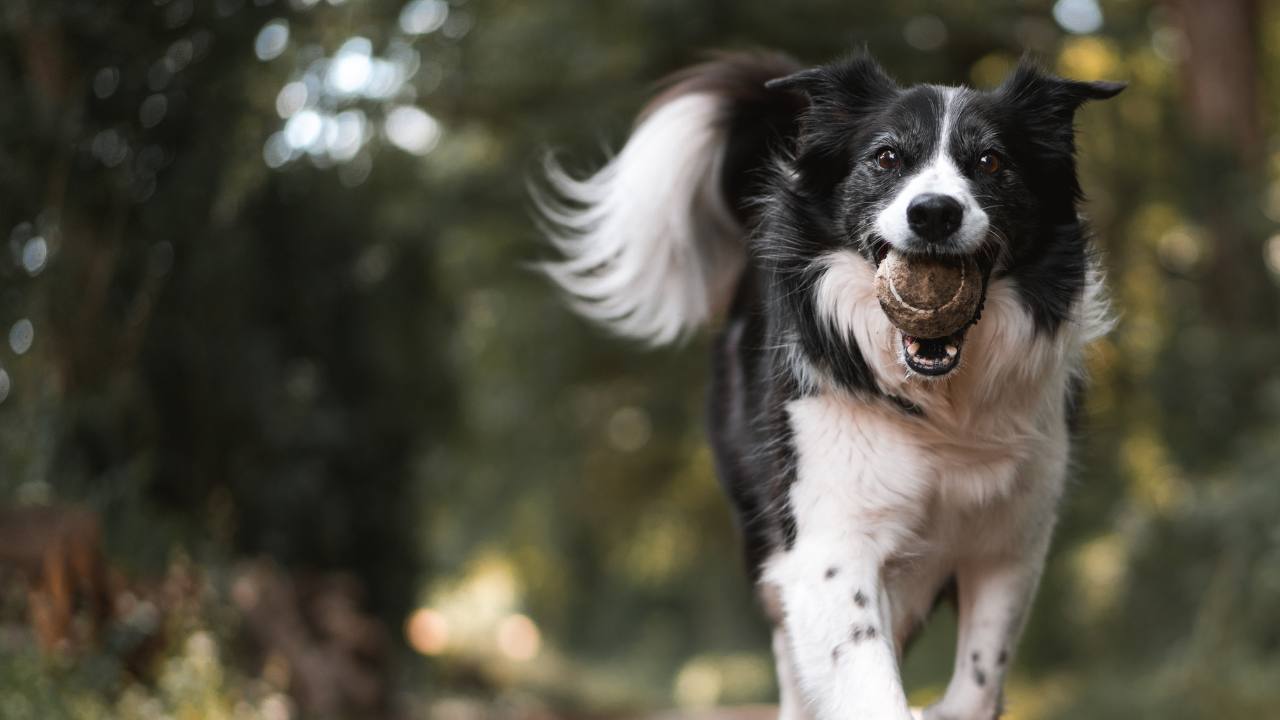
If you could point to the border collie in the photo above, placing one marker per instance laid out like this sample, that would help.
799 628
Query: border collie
871 473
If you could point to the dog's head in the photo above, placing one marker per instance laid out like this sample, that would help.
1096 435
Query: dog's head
950 171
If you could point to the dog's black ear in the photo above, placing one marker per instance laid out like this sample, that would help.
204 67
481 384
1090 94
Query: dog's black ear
1039 92
858 78
839 95
1045 106
1101 89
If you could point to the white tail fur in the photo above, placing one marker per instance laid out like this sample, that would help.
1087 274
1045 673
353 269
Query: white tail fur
651 248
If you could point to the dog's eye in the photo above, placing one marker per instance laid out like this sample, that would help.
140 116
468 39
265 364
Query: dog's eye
888 159
990 163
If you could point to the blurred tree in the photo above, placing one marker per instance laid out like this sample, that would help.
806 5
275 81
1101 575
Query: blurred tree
235 352
1221 81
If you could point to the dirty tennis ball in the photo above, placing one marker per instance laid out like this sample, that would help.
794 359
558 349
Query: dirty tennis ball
928 296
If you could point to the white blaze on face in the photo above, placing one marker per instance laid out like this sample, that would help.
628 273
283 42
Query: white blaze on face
939 175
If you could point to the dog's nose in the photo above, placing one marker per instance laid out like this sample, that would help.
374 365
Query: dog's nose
934 217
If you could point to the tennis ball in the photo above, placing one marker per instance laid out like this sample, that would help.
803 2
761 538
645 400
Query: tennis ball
928 296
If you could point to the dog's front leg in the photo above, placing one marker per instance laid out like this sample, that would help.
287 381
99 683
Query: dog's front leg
994 596
837 621
996 580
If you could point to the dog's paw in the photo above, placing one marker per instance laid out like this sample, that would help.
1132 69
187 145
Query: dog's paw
917 713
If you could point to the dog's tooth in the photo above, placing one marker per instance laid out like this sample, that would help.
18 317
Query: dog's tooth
952 350
914 348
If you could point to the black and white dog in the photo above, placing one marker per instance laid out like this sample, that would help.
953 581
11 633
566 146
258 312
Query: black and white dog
870 472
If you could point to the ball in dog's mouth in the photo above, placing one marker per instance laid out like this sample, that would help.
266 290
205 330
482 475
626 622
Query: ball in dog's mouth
932 300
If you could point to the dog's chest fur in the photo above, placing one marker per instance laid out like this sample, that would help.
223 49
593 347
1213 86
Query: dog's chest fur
916 489
957 478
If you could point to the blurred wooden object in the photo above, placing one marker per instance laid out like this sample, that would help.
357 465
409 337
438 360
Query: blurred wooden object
59 552
1220 72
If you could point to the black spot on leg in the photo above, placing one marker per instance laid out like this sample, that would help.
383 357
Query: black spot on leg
859 599
979 677
975 657
1004 657
858 633
835 654
831 572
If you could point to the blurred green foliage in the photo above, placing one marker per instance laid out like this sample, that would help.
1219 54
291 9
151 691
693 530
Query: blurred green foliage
319 339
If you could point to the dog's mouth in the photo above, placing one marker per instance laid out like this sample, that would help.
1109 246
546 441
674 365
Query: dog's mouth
930 356
933 357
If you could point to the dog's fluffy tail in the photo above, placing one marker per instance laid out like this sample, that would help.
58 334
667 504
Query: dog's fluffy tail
654 242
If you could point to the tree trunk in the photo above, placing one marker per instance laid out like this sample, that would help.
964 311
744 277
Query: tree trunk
1220 74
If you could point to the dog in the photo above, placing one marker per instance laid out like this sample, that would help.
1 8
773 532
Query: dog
871 472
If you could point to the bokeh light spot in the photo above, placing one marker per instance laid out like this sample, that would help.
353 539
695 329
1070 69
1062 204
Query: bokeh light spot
1181 249
1089 57
1078 16
519 638
458 25
630 429
34 254
105 82
277 151
423 16
412 129
351 67
5 385
925 32
427 631
109 147
1100 571
344 134
21 336
303 129
385 79
152 110
180 54
1271 253
276 706
698 685
291 99
272 39
178 13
